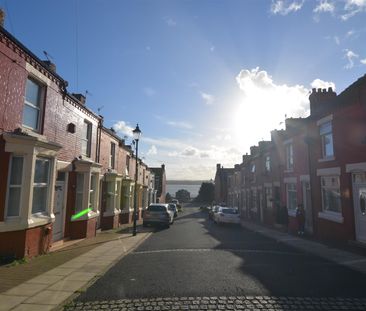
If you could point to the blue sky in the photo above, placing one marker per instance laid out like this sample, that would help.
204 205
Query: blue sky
205 79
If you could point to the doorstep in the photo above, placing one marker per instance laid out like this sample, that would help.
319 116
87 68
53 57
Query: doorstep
63 243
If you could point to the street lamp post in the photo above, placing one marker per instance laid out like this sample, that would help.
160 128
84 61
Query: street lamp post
136 136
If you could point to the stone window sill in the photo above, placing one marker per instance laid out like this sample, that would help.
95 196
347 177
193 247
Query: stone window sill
326 159
332 216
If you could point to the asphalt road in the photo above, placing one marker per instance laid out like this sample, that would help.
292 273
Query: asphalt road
196 257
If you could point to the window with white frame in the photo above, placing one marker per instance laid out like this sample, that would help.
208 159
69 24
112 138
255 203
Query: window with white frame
267 164
15 186
79 192
86 139
32 104
112 158
331 197
40 185
289 156
93 187
111 195
291 196
326 135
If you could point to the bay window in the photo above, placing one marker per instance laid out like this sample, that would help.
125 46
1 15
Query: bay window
15 186
79 192
40 185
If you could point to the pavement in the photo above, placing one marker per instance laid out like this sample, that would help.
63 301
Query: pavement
349 259
47 282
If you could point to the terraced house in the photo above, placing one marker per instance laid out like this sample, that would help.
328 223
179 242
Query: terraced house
318 162
57 159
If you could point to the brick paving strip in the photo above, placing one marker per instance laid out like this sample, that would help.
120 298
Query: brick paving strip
81 266
223 303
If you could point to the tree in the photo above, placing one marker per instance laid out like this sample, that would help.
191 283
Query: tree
168 198
183 195
206 194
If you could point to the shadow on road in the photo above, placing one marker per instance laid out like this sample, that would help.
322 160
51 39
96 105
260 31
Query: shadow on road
284 270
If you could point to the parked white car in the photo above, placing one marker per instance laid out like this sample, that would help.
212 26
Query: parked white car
227 215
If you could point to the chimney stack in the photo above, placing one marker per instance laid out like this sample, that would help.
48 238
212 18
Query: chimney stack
80 97
2 17
51 66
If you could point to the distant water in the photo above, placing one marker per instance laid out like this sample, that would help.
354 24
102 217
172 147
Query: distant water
192 189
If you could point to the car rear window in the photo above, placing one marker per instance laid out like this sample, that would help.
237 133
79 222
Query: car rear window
171 206
156 208
229 211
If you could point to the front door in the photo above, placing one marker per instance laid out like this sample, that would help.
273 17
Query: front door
58 210
359 199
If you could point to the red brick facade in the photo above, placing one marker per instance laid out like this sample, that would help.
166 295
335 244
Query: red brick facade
72 141
328 164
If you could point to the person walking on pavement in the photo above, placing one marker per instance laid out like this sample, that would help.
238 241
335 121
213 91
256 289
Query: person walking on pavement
300 216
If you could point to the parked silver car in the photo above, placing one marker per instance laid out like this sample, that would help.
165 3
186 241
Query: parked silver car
158 214
173 207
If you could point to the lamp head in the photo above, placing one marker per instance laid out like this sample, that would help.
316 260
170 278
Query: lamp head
136 133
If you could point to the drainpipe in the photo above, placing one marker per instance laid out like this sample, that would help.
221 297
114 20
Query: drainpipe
309 141
99 135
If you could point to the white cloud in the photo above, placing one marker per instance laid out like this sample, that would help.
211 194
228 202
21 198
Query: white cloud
350 33
324 6
180 124
212 48
190 151
336 40
265 105
285 7
152 151
320 84
170 22
122 128
363 61
353 7
208 98
351 56
149 91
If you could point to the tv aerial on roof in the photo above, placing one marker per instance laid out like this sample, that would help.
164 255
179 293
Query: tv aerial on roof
48 56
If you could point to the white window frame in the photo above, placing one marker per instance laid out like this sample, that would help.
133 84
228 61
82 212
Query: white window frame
267 163
31 147
79 191
14 186
337 188
43 185
289 156
40 108
326 130
87 169
87 139
112 156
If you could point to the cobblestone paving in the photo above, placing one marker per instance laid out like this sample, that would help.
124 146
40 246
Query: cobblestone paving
224 303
